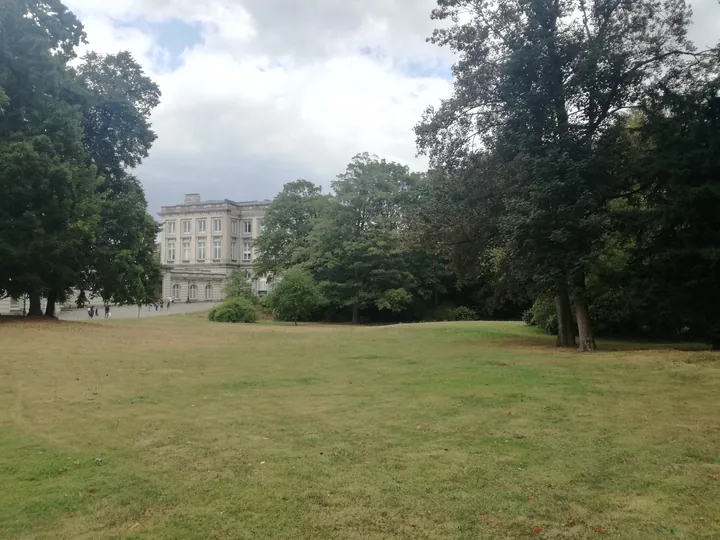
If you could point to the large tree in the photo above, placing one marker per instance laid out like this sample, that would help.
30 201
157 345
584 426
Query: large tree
287 225
47 206
356 252
538 83
117 99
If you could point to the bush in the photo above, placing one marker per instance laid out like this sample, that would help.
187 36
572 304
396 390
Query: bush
545 315
233 310
440 314
295 296
238 286
449 314
463 313
527 317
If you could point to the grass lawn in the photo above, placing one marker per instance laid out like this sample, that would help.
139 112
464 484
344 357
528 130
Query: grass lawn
176 428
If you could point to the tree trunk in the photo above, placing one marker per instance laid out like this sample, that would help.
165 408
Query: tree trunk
566 334
356 313
139 308
35 305
50 307
586 339
295 323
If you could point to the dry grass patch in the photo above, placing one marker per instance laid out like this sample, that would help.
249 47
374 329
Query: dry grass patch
173 427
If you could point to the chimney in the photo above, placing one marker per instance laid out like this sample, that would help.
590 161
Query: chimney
192 198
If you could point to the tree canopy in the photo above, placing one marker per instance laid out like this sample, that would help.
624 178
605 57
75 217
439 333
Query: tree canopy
71 216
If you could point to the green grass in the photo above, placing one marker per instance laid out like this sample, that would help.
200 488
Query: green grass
176 428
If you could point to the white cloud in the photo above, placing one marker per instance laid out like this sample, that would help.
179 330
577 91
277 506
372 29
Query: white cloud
278 89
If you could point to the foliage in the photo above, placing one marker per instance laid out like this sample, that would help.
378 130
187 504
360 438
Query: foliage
544 315
70 215
294 297
287 225
238 286
463 313
543 88
233 310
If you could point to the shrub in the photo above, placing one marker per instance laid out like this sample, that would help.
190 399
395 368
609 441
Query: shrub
233 310
295 296
463 313
238 286
527 317
544 314
440 314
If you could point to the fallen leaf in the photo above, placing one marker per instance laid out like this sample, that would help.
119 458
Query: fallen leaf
510 413
600 530
91 490
411 524
571 522
364 454
399 481
537 530
530 497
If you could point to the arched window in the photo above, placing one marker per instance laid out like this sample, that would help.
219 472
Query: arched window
208 292
193 292
176 291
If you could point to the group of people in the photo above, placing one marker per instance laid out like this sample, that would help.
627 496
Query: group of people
161 304
158 304
93 312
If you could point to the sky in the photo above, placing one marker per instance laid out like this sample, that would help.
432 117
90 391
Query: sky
257 93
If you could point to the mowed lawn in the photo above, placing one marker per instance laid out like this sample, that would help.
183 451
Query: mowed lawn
176 428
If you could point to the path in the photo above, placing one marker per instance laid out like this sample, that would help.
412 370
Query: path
130 312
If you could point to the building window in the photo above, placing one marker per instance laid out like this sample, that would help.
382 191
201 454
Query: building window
259 227
217 249
201 250
186 250
208 292
176 291
217 225
171 251
247 252
234 226
171 227
14 303
233 250
193 292
247 274
186 226
201 225
247 227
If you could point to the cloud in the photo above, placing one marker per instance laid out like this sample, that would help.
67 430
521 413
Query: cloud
257 93
273 90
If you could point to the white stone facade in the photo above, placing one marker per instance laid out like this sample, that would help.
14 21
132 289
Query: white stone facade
202 242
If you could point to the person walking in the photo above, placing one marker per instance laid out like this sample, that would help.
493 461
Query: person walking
91 312
107 311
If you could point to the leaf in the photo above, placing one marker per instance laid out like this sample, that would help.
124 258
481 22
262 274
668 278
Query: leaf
600 530
571 522
537 530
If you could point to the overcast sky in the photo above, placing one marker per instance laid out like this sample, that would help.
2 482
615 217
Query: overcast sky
257 93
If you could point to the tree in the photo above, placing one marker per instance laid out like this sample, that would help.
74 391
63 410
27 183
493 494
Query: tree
117 99
48 213
59 128
295 297
356 252
677 253
287 225
238 286
538 83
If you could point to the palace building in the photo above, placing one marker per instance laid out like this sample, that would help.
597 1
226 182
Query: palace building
202 242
